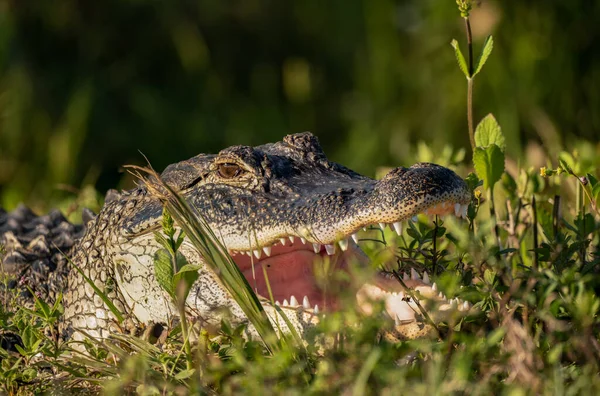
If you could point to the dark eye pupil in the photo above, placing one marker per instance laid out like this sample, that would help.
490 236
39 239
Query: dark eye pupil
228 171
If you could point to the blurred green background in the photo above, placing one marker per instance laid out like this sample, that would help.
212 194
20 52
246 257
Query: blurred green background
86 86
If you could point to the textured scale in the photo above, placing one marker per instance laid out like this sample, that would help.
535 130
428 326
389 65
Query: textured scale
285 189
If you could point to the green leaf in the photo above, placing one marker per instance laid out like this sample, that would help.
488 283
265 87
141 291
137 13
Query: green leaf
489 132
460 59
163 270
489 164
187 273
488 46
596 191
473 181
184 374
592 179
489 276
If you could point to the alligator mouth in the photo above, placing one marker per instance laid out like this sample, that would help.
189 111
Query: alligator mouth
295 275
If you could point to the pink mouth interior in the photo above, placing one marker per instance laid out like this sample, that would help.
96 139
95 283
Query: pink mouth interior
290 272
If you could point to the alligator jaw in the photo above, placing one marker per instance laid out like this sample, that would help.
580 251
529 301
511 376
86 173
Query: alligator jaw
291 263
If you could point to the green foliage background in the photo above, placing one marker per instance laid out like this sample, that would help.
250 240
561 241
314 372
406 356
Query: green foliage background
85 85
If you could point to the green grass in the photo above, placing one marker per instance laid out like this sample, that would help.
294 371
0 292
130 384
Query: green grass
527 258
536 328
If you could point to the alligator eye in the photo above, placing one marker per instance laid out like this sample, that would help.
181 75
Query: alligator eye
229 170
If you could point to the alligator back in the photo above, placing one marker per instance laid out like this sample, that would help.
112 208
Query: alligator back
35 251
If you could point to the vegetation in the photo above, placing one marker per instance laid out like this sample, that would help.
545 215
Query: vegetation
527 258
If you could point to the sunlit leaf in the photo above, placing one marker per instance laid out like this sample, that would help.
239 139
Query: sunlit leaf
488 46
460 59
489 164
489 132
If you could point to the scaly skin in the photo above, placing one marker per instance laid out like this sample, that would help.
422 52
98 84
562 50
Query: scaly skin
255 199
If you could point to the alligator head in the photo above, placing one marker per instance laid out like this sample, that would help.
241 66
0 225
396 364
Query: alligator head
281 207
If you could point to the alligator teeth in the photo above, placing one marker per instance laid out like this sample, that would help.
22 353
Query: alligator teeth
457 209
414 275
466 306
316 247
382 226
463 211
398 228
277 302
425 277
343 244
305 303
267 250
330 249
257 253
293 302
434 287
405 276
248 252
355 238
316 309
441 295
282 240
285 303
303 241
291 238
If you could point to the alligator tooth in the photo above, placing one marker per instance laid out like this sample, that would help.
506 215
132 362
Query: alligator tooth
248 252
267 250
285 303
257 253
425 277
466 306
282 240
415 219
441 295
398 228
382 226
405 276
434 287
457 209
303 241
401 295
316 247
355 238
414 275
291 238
463 211
343 244
277 302
293 302
305 303
330 249
316 310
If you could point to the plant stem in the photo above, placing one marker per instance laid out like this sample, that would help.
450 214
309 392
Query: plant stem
535 233
555 215
493 216
470 84
470 45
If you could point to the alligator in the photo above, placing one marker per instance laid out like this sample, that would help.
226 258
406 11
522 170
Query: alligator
282 206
